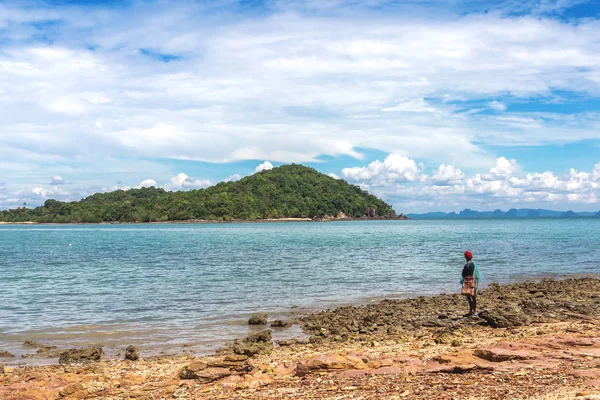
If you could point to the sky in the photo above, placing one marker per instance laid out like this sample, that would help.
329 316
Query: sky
430 104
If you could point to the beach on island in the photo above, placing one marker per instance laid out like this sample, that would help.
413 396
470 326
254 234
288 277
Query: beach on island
530 340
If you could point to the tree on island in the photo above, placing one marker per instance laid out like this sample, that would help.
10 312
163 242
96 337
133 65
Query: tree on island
290 191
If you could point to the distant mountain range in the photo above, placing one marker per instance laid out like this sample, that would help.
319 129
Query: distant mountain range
512 213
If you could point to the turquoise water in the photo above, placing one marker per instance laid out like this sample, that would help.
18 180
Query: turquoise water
165 286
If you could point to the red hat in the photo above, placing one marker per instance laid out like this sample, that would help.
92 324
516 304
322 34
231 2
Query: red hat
468 255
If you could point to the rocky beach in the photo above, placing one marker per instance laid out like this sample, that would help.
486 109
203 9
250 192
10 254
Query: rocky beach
532 340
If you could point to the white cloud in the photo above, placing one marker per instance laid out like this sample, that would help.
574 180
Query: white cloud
147 183
395 168
447 174
504 167
44 193
264 167
415 106
233 178
297 86
334 176
449 188
57 180
498 106
182 181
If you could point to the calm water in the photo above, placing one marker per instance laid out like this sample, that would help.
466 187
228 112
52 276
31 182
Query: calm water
165 286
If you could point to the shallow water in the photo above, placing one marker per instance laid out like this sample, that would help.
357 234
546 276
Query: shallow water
165 286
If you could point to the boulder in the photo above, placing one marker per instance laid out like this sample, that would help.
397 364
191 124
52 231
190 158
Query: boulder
1 369
6 354
507 317
260 337
258 319
252 349
132 353
88 354
212 374
191 371
255 343
341 215
280 324
235 362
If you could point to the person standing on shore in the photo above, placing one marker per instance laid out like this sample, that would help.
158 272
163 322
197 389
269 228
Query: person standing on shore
469 281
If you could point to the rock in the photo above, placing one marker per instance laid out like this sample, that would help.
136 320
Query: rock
132 353
258 319
498 354
280 324
260 337
6 354
212 374
371 212
88 354
443 337
252 349
236 358
71 389
341 215
191 371
181 393
238 363
504 318
328 363
255 343
584 373
1 369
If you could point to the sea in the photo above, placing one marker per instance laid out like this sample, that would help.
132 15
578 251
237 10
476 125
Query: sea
173 288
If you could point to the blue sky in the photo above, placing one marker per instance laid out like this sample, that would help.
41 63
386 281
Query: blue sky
432 105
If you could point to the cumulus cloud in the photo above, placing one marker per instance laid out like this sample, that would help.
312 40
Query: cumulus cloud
44 193
504 167
398 101
447 174
57 180
147 183
395 168
233 178
298 85
263 167
449 188
182 181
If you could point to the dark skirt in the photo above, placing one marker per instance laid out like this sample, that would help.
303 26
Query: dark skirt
468 287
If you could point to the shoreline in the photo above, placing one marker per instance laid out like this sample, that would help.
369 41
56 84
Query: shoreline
205 347
206 221
422 338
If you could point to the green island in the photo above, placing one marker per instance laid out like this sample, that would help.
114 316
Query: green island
289 191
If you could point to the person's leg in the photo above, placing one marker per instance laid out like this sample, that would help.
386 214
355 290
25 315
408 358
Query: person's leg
470 300
474 301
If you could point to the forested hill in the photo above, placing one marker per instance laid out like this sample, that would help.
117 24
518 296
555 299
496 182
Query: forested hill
290 191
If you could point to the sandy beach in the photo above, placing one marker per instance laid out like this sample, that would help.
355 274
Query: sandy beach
533 340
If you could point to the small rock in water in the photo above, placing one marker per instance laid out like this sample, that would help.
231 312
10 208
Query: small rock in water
258 319
88 354
6 354
280 324
132 353
256 343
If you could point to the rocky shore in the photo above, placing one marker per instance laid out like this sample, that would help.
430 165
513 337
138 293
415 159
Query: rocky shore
534 340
